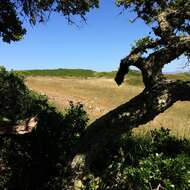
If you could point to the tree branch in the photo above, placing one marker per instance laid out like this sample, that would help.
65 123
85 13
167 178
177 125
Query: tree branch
177 46
151 67
135 58
169 20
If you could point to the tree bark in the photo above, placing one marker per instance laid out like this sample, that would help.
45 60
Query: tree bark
139 110
159 93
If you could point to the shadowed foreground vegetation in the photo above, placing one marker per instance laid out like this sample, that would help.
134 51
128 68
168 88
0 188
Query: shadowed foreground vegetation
38 160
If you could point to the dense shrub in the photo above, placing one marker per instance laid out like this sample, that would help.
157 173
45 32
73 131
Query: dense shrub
60 133
157 169
35 160
143 163
30 161
17 102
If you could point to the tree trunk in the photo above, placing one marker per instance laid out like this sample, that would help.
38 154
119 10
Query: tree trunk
149 55
139 110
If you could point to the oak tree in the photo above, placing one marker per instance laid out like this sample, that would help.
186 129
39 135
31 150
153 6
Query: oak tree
170 39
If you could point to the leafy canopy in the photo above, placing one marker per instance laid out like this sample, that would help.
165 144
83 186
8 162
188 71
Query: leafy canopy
14 12
153 12
17 102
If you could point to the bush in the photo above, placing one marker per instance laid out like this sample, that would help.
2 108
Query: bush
17 102
142 163
58 134
30 161
157 169
36 160
15 162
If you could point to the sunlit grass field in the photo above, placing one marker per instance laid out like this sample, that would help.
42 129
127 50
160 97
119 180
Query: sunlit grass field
100 94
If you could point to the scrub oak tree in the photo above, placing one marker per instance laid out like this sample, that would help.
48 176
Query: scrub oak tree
170 39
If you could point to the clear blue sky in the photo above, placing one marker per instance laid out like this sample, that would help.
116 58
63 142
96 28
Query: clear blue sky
97 45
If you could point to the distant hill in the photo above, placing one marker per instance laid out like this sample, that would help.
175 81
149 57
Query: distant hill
133 77
71 73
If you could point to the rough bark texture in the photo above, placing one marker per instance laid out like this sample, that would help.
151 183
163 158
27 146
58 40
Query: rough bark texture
159 93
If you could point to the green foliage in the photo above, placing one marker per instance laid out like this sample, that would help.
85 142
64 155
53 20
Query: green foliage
143 163
148 10
17 102
13 11
36 160
61 131
15 161
59 73
170 173
74 73
54 138
12 90
10 25
143 42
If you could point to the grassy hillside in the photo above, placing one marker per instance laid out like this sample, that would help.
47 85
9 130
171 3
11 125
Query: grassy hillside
179 76
71 73
133 78
135 75
59 73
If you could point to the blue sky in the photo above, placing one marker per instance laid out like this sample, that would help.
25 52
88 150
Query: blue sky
97 45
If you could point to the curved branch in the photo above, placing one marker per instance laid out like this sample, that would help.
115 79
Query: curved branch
169 53
132 59
135 59
151 67
147 105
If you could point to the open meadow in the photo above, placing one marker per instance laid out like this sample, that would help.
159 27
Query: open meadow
101 94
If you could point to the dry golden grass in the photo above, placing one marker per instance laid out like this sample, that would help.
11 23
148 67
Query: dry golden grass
99 95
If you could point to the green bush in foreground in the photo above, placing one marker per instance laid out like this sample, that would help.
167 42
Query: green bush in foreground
17 102
38 160
34 161
142 163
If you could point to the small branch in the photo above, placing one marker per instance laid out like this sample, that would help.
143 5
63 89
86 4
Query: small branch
159 187
169 53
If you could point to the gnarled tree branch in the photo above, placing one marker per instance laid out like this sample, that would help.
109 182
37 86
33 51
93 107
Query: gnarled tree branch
159 93
151 67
